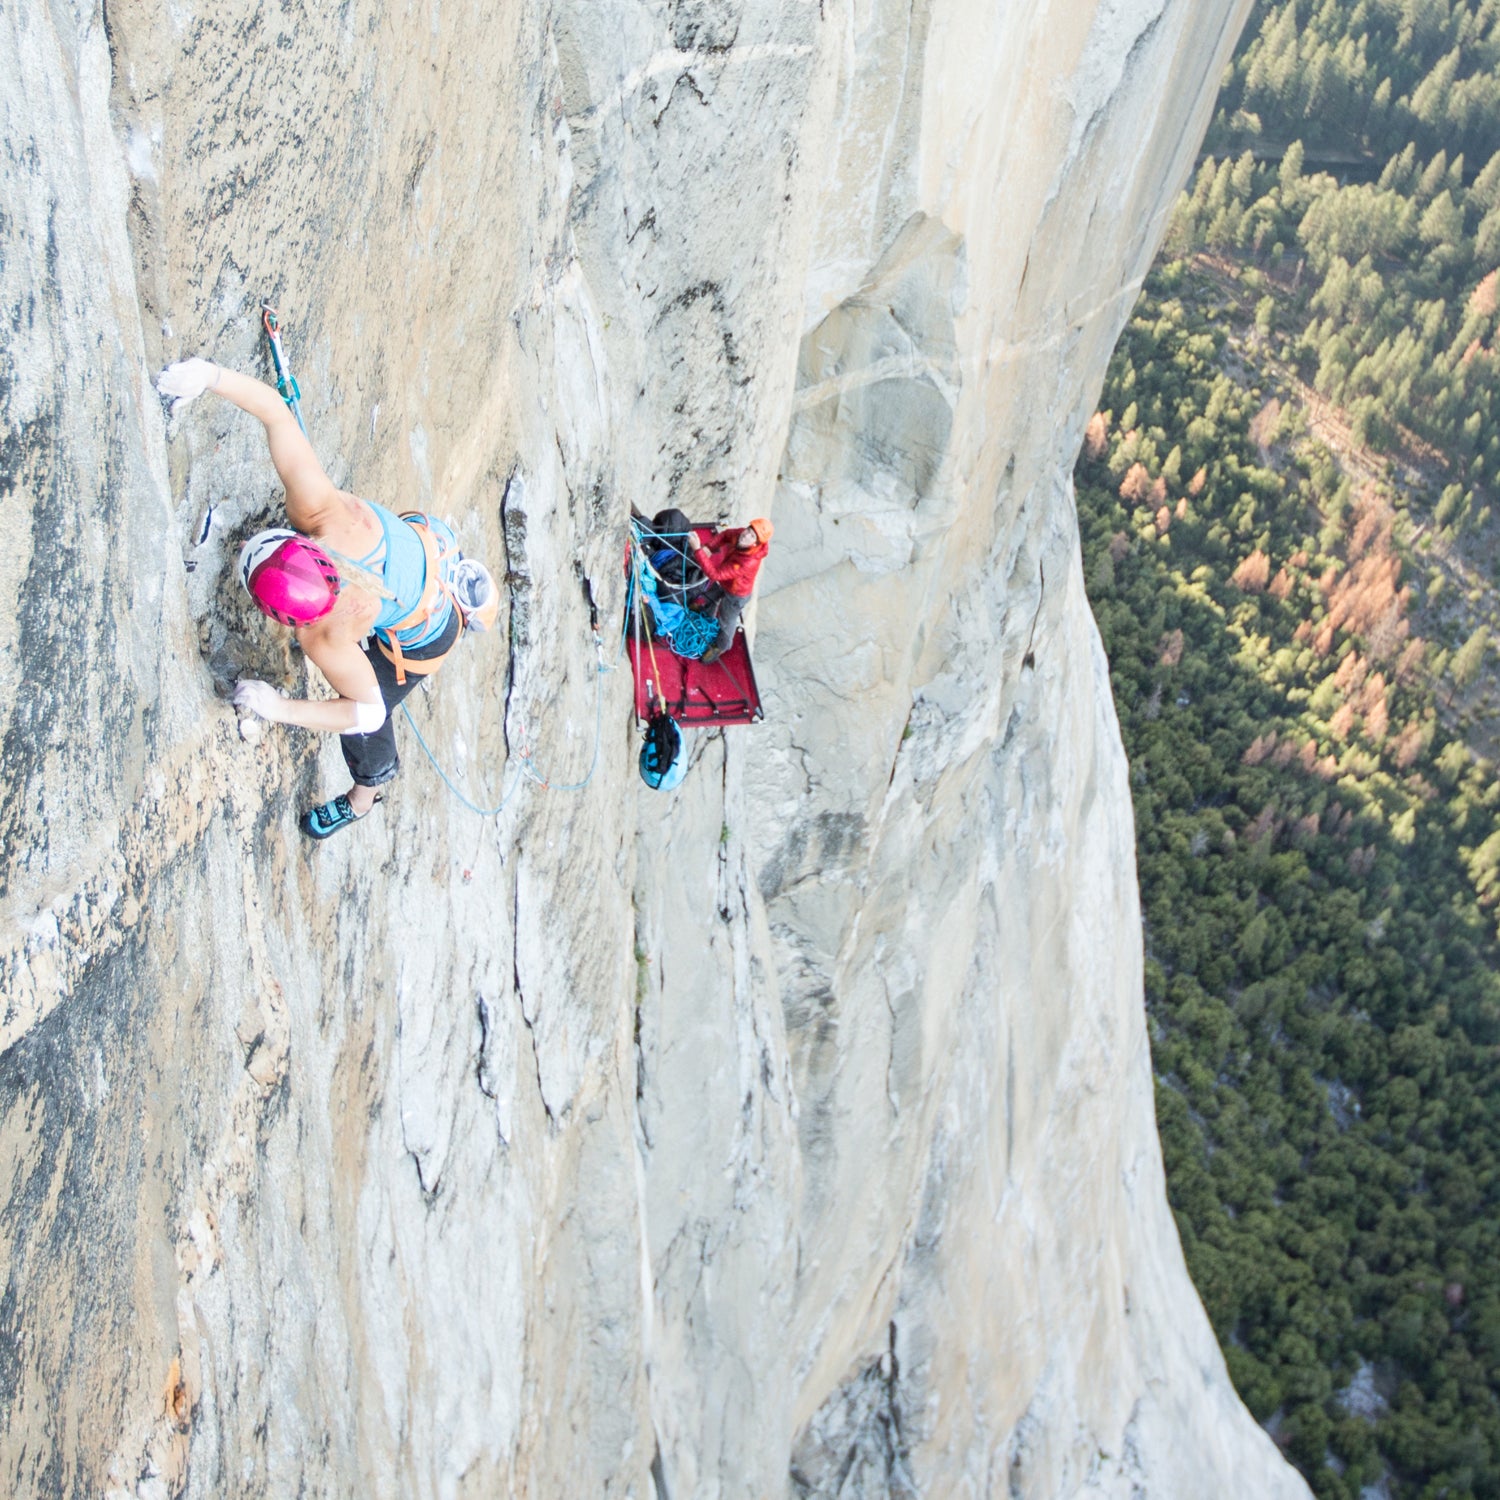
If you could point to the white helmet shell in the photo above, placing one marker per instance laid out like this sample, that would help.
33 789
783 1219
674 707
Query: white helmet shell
259 549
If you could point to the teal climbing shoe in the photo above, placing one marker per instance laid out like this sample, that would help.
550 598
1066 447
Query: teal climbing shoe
327 818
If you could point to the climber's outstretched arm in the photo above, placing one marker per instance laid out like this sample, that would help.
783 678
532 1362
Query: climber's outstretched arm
312 499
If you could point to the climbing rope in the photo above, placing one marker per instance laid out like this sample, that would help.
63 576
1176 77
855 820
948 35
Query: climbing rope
639 532
688 632
484 812
528 767
635 612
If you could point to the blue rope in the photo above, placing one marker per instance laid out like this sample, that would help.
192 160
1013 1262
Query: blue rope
688 633
527 765
484 812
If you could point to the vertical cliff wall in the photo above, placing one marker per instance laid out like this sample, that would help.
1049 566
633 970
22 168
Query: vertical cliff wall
788 1135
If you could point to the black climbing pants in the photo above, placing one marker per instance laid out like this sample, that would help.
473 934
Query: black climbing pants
728 610
372 758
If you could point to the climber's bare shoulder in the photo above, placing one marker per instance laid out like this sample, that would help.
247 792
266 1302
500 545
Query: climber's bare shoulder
345 523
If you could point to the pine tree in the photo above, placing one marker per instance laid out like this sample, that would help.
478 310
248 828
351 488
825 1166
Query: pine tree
1486 188
1442 221
1487 236
1433 176
1469 657
1379 110
1402 167
1242 178
1279 49
1430 101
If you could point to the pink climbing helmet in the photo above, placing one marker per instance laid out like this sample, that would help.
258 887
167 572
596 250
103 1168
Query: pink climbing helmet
291 579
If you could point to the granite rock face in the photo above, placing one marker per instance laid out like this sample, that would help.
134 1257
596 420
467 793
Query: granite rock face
790 1135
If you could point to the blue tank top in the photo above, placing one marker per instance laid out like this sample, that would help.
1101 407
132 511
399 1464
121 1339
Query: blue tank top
402 564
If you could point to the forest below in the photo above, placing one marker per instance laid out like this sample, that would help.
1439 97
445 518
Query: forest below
1286 508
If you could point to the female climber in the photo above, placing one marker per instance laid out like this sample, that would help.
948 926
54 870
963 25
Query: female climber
373 597
731 558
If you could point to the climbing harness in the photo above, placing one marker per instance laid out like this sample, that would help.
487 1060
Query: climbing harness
286 382
440 556
463 581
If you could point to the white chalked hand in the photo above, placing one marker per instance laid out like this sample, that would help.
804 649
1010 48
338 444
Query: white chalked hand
187 380
258 698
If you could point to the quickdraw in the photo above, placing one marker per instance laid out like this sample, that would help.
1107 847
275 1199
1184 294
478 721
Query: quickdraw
286 382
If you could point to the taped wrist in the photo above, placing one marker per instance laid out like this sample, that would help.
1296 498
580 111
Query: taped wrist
368 717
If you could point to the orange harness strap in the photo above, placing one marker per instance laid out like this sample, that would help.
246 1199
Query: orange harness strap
433 588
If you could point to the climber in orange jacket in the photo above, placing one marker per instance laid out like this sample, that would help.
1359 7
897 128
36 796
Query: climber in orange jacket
731 558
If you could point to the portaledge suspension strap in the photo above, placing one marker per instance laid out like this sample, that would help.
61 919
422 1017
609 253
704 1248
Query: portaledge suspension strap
286 382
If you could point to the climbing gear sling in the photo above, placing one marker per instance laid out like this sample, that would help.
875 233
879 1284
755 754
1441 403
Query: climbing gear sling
662 763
